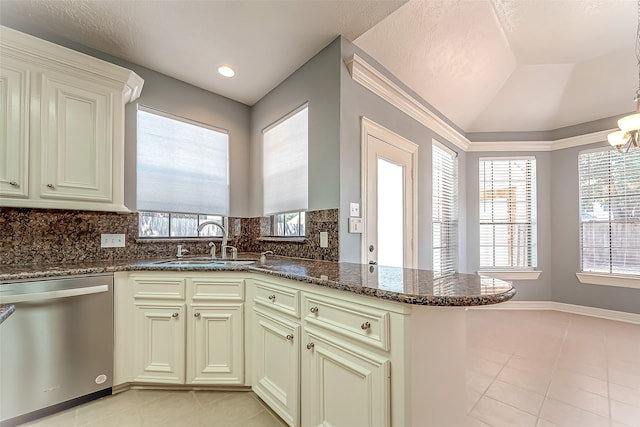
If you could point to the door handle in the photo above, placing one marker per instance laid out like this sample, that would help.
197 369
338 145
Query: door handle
372 263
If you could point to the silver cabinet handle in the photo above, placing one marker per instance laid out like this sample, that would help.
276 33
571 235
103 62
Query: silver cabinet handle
365 326
272 298
175 315
196 314
310 346
51 186
314 309
290 337
13 183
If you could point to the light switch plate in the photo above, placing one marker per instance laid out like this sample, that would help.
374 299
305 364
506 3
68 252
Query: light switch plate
324 239
354 209
355 225
112 240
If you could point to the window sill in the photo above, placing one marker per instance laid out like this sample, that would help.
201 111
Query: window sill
512 274
282 239
605 279
177 239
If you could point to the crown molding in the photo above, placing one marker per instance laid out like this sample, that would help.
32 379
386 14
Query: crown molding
368 76
49 55
365 74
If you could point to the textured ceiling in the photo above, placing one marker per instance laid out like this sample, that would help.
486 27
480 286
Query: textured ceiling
488 65
519 65
265 41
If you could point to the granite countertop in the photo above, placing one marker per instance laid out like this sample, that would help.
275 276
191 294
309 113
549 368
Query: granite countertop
6 310
411 286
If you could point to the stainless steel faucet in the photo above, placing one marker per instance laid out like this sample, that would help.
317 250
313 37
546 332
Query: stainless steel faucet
225 236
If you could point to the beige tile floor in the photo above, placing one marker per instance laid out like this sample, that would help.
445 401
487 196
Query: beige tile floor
525 368
546 368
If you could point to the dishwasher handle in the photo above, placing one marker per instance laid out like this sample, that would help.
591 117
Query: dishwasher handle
41 296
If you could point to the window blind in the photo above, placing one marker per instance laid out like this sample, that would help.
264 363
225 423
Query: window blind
286 164
508 213
445 210
182 166
610 211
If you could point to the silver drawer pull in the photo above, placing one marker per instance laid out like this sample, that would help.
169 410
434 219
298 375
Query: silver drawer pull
365 326
314 309
196 314
13 183
272 298
290 337
175 315
310 346
51 186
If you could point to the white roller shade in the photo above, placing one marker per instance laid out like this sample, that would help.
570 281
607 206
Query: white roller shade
183 166
286 164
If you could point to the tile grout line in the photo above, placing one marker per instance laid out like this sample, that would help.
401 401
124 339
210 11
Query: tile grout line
554 369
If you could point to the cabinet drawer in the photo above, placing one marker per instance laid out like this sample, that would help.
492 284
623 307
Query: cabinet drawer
158 288
228 289
280 298
361 323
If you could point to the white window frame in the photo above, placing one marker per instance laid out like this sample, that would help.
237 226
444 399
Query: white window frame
444 209
528 272
610 278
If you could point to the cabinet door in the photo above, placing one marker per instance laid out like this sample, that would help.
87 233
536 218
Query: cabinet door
343 386
215 344
76 139
14 129
277 365
159 339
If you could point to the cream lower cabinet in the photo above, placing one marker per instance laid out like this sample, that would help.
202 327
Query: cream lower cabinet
321 368
215 344
159 331
277 364
343 385
187 329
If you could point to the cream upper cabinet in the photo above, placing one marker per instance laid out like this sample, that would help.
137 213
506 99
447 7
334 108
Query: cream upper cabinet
14 128
64 137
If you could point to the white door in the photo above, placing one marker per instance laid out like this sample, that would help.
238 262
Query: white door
389 197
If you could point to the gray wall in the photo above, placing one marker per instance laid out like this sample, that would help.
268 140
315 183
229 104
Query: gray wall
355 102
528 290
318 83
565 250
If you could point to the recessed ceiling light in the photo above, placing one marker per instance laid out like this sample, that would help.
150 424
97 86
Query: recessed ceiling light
226 71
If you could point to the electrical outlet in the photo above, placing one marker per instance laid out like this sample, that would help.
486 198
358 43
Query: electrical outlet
324 239
112 240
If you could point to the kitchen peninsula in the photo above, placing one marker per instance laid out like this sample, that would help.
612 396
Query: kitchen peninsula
334 333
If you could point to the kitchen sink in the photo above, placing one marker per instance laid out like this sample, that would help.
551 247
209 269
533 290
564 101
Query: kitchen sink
204 262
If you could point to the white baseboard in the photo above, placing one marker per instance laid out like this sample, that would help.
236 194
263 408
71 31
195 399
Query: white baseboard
619 316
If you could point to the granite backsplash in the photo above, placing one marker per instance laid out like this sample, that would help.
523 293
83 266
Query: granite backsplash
43 236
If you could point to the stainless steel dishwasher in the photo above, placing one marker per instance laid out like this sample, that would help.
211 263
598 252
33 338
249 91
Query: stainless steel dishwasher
56 350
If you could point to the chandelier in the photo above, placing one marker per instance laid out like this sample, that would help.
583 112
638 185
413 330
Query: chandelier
629 134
